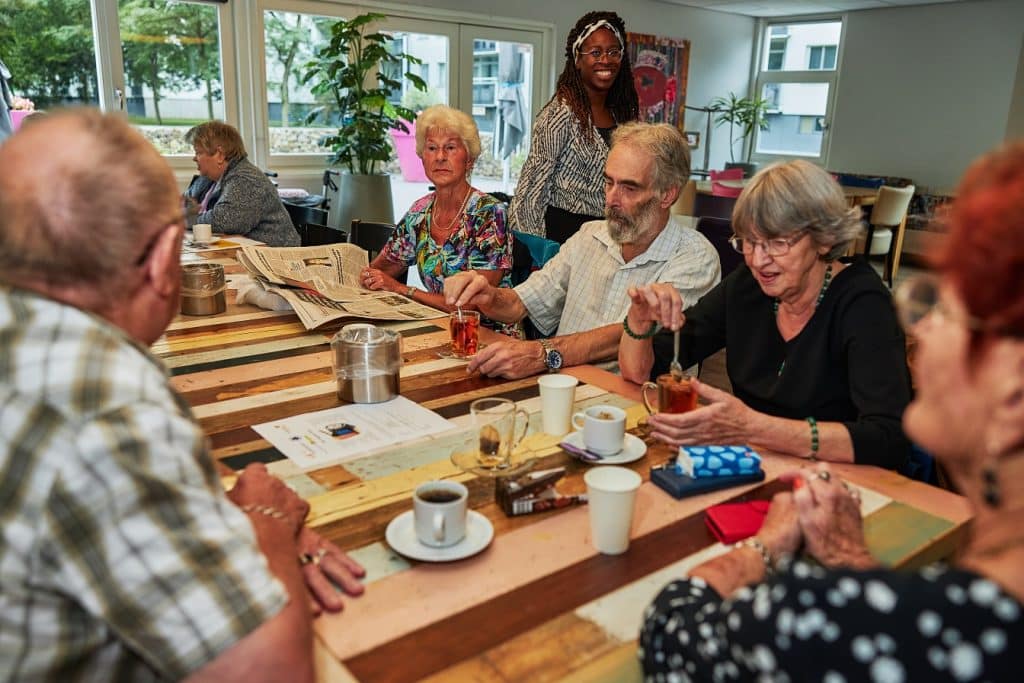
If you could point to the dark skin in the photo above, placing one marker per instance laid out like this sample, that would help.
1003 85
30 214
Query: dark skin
598 75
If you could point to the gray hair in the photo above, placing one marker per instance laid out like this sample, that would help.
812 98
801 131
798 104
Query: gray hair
666 146
787 197
82 217
443 118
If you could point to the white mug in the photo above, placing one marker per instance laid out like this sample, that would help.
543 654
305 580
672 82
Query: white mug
439 512
611 497
202 233
557 395
604 428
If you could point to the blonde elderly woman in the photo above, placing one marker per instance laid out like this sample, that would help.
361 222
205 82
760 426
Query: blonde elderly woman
816 356
233 195
454 229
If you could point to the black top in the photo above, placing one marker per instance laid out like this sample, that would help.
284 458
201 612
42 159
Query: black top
848 364
810 624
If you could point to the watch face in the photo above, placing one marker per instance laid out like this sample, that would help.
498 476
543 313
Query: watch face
554 360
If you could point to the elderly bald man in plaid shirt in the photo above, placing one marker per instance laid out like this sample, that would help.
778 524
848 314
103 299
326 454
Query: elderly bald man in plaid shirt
121 557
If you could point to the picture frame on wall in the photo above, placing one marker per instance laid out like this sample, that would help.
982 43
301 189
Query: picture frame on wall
692 139
660 67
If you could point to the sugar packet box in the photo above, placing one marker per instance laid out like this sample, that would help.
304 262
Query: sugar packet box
717 461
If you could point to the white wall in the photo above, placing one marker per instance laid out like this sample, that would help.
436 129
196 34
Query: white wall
924 90
721 45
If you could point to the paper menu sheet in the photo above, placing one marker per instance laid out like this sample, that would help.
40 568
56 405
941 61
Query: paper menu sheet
335 435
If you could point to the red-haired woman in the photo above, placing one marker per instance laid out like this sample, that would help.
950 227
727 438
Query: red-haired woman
847 619
561 186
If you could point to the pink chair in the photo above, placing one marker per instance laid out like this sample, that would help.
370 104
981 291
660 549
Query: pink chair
720 190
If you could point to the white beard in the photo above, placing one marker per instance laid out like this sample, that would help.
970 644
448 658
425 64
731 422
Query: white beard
626 229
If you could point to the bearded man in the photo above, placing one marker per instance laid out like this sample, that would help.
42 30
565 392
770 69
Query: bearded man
581 294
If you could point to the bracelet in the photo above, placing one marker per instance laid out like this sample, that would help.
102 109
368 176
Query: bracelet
409 292
814 438
653 330
755 543
263 510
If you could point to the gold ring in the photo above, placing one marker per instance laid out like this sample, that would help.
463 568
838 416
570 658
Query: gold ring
824 475
310 558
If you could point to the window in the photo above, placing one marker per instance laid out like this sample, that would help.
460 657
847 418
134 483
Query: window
797 78
821 57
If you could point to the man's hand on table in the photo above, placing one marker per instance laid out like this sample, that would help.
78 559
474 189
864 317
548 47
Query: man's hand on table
511 359
324 563
259 490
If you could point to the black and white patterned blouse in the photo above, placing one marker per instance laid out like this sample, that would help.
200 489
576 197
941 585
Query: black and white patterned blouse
563 169
811 624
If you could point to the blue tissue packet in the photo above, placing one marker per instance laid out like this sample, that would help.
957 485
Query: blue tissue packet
701 462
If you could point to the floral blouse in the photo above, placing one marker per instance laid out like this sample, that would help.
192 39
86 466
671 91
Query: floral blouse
481 242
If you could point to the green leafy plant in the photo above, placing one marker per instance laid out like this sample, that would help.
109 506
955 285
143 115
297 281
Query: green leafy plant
343 73
744 114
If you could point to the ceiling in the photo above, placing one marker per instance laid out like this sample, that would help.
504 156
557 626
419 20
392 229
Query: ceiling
785 8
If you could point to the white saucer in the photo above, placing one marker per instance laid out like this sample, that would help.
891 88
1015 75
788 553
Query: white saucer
401 535
633 448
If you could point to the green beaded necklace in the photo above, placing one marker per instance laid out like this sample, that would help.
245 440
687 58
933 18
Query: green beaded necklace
821 295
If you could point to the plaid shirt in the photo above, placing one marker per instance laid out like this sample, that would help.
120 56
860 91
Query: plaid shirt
120 556
584 286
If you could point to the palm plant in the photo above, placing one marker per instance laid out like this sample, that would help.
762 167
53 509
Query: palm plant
343 72
744 114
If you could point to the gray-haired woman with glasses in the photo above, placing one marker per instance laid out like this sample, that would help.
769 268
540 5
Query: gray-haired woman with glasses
816 357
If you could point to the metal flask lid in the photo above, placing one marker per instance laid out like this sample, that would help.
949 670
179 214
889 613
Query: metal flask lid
367 363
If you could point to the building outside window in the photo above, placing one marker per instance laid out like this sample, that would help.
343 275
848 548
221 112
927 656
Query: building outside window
821 57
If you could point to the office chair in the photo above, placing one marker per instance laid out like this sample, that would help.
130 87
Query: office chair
370 236
718 231
720 190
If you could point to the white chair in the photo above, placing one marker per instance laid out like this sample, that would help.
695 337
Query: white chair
683 206
886 227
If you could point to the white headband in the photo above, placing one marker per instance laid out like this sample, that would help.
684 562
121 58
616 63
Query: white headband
590 28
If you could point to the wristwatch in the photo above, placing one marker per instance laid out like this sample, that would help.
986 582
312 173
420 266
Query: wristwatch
552 356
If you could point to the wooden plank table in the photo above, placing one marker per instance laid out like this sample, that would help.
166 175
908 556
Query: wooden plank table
539 604
856 196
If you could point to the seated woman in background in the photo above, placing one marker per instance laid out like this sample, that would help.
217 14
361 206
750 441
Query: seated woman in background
561 186
454 229
234 196
816 356
848 619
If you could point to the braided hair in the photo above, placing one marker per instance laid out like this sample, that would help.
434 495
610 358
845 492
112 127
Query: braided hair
622 99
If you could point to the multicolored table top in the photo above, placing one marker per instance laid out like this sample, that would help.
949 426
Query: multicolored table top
539 603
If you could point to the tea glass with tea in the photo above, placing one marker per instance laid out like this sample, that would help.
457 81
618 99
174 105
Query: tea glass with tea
497 432
465 332
674 395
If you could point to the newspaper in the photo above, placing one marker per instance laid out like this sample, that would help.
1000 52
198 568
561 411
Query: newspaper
322 284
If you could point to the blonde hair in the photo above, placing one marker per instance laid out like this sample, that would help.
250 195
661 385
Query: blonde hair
797 195
441 118
84 216
666 146
213 134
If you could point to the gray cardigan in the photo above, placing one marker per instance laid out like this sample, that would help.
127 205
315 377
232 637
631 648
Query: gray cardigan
245 202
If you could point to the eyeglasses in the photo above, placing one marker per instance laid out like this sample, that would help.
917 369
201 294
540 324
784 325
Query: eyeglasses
774 247
614 54
918 297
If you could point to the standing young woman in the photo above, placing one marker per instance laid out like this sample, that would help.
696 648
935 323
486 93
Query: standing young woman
561 186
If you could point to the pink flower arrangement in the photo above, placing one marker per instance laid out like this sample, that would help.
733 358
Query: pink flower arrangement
23 104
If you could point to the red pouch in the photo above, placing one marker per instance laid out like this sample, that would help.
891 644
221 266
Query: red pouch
732 522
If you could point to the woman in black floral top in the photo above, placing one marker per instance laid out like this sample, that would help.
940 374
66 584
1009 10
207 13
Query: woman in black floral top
746 616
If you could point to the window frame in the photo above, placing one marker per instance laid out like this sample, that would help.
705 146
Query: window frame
761 76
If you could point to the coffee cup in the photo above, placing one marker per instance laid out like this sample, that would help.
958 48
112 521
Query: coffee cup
439 513
202 233
604 428
557 395
611 497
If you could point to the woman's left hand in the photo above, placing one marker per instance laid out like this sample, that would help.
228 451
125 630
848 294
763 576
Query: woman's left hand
726 420
324 565
376 279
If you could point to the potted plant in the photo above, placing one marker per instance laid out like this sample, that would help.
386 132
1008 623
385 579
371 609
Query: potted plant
353 74
743 115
